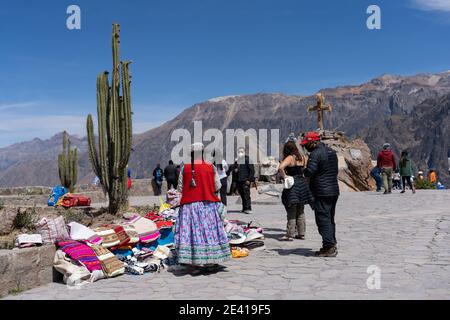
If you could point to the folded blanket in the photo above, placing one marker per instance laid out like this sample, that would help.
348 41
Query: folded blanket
146 229
28 240
132 233
122 235
52 230
108 235
111 266
81 232
82 253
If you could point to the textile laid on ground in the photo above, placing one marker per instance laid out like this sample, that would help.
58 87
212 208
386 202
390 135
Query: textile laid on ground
132 233
111 266
82 253
28 240
52 230
108 235
242 233
147 229
124 238
199 235
81 232
73 273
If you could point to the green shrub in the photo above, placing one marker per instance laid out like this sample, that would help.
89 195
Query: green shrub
424 184
26 219
2 204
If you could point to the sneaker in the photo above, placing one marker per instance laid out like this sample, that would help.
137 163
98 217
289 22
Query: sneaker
248 211
403 191
386 192
327 253
300 237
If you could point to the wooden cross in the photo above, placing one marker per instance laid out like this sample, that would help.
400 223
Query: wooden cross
320 107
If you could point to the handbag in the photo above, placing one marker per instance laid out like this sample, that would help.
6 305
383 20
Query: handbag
288 182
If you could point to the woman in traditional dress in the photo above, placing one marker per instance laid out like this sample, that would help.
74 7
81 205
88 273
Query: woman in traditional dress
200 237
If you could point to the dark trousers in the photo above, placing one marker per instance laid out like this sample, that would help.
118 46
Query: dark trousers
172 184
244 191
223 190
324 209
233 188
378 180
407 180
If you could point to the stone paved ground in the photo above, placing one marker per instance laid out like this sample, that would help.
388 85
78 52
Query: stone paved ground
406 236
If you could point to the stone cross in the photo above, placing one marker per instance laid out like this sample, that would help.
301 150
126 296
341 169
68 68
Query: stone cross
320 107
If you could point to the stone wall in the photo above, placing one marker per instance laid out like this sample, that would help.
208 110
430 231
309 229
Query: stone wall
23 269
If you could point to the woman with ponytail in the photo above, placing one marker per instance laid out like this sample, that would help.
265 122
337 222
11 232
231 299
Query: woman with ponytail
200 237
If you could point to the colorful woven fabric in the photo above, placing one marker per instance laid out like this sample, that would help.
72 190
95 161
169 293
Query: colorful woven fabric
52 230
108 235
200 237
111 266
81 253
124 238
132 233
147 229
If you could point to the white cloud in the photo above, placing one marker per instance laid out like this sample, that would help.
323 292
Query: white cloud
433 5
18 105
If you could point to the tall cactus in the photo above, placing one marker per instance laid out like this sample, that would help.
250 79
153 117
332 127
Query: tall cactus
68 165
114 130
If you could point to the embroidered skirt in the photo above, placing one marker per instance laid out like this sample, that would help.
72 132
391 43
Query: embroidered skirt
200 237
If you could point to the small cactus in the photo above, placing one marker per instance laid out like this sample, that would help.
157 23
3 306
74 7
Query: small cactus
68 165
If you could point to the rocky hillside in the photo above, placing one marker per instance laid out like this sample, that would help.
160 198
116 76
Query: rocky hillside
407 111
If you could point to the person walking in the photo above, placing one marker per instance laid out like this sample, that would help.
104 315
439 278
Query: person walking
200 237
386 162
376 175
294 198
129 180
322 169
245 176
222 170
406 171
171 175
158 175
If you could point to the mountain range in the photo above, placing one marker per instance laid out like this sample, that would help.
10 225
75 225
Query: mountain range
409 112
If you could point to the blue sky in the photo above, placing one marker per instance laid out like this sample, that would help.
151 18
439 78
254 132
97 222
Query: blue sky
186 52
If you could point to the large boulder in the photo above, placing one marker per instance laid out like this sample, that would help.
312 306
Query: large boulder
7 217
355 164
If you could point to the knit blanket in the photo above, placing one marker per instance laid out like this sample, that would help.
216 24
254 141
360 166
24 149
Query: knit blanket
81 253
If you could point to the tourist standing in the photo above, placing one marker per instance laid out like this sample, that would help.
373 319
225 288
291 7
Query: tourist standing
406 171
129 181
158 178
322 169
376 174
386 162
171 175
200 237
245 176
294 198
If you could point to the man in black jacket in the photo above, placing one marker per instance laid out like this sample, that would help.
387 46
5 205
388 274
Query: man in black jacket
171 175
245 176
322 169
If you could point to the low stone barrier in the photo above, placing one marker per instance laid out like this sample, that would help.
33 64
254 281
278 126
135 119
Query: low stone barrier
24 269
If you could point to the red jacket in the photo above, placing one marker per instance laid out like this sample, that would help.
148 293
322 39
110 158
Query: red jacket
204 180
386 159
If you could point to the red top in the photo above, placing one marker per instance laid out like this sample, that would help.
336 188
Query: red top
386 159
205 184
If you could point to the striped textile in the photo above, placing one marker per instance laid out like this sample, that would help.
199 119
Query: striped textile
81 253
111 266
